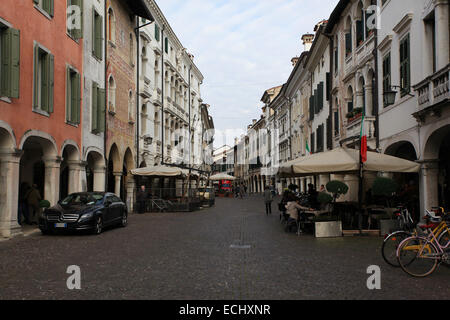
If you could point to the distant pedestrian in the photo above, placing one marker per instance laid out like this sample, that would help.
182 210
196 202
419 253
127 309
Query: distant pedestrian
33 198
141 199
268 199
237 191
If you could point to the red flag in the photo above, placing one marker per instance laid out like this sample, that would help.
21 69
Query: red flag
364 149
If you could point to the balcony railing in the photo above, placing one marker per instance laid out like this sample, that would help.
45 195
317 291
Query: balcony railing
354 127
434 89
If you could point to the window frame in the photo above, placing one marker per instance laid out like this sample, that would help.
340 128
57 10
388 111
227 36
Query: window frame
37 104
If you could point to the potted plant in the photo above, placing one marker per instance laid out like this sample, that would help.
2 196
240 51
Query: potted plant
337 188
327 226
349 115
385 189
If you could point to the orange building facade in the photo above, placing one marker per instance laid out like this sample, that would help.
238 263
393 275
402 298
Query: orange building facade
40 105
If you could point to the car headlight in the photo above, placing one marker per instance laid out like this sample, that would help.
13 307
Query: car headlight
87 216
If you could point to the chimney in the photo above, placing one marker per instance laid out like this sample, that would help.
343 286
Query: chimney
294 61
307 41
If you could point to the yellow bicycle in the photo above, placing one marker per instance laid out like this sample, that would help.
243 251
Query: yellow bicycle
419 256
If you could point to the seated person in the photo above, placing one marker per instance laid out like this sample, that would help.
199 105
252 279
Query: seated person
293 206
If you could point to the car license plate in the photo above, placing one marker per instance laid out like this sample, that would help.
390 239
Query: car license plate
60 225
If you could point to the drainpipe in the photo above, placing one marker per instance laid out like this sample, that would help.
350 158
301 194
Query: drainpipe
376 104
162 95
190 150
136 30
106 98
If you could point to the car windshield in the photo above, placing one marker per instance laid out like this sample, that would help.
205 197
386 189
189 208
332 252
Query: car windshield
83 199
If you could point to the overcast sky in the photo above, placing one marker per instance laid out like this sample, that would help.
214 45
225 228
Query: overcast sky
242 47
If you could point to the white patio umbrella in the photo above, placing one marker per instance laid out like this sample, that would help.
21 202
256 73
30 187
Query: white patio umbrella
348 160
221 176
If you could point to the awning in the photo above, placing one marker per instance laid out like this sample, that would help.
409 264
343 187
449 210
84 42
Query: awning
347 160
221 176
162 171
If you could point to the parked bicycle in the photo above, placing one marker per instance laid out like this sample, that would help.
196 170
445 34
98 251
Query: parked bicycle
393 240
420 255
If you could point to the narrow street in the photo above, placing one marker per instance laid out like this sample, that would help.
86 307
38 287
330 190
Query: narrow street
231 251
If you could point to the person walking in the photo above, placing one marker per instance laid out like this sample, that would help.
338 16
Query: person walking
23 206
268 199
33 198
142 198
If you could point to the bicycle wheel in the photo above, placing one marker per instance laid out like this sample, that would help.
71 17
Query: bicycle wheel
444 241
390 246
417 257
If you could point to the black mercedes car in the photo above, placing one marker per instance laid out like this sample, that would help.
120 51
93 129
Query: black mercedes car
91 211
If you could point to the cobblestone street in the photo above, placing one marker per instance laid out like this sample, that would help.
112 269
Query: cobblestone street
231 251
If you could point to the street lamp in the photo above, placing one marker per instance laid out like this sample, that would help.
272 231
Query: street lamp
389 95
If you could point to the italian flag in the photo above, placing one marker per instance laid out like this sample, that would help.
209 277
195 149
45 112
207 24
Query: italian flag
363 138
307 147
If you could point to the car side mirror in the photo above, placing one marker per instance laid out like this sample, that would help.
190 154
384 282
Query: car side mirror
108 203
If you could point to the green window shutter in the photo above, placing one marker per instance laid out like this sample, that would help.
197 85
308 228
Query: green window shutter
44 84
316 102
320 88
35 78
97 35
94 107
51 84
167 45
77 98
157 33
10 77
101 108
68 96
48 7
78 32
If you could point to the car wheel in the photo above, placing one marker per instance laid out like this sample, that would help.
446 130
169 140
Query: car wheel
98 228
124 221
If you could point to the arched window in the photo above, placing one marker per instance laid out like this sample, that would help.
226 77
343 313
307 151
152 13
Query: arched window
360 24
111 94
348 37
111 26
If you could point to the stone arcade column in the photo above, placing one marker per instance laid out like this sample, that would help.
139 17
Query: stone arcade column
9 193
118 180
75 169
99 179
52 176
429 178
131 187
